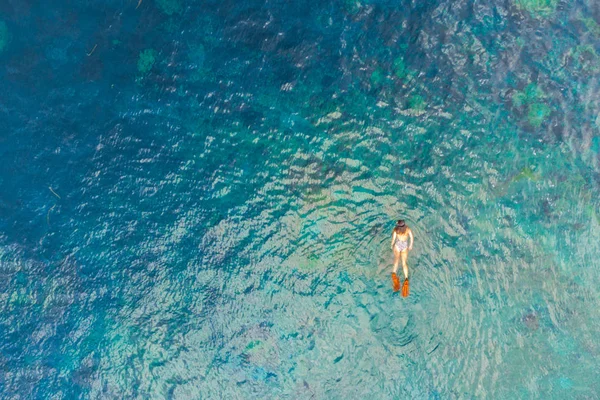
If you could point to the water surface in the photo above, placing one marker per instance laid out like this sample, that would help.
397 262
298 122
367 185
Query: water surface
197 199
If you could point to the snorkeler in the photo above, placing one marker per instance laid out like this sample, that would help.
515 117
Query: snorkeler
400 237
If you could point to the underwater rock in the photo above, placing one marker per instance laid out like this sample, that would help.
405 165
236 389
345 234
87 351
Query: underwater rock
262 352
197 55
585 59
4 36
169 7
537 114
527 173
595 145
531 100
537 8
529 94
92 69
591 25
332 116
377 77
351 6
416 102
565 383
400 68
531 320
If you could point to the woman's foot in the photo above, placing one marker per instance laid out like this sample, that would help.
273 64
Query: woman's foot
395 282
405 288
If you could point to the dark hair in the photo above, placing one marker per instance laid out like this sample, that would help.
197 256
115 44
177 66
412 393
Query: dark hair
400 227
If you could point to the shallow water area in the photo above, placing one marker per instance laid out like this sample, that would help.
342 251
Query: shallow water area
197 199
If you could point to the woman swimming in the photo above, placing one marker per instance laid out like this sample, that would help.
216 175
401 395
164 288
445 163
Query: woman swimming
400 237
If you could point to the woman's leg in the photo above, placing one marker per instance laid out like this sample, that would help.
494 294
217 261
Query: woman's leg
404 256
396 260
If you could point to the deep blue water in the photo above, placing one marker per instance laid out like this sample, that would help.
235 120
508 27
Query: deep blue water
197 198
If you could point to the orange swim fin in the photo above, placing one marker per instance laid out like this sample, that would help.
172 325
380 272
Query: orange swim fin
405 288
395 282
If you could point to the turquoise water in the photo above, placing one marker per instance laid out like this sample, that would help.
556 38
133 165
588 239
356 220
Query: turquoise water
197 198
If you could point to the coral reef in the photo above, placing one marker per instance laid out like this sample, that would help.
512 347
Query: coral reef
146 61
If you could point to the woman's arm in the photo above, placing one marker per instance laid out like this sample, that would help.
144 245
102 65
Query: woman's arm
393 239
412 239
